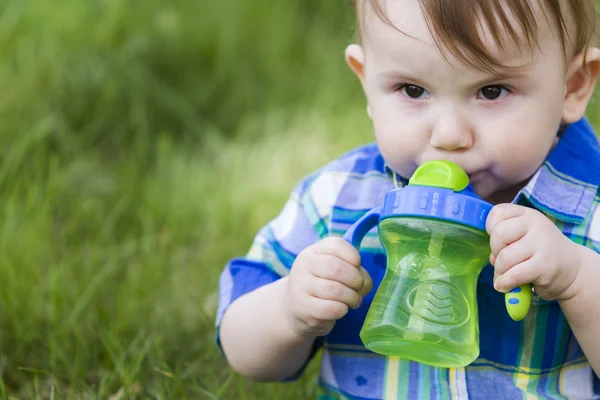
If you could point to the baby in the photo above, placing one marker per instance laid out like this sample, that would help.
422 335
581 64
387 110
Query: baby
499 87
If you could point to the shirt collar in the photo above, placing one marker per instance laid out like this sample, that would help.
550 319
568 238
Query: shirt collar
566 184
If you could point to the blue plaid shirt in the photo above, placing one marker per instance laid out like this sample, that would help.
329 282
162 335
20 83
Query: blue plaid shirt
538 357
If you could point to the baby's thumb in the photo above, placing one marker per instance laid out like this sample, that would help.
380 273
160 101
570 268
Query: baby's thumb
367 283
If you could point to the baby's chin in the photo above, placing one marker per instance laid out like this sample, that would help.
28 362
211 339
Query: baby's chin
494 193
481 185
485 193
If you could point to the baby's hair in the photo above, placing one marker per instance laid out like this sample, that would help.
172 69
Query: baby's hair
456 25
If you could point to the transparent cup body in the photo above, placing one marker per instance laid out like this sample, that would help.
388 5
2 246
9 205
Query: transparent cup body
426 306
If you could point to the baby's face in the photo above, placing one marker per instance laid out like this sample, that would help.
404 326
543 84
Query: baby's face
499 128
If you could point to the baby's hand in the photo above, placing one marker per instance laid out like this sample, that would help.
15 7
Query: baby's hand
528 248
325 281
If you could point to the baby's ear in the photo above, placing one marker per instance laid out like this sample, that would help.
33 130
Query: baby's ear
355 57
581 81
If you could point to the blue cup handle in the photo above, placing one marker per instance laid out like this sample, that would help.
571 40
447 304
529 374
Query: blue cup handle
357 232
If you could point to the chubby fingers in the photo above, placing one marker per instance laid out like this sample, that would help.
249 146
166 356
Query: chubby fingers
512 254
522 273
503 212
340 264
367 283
338 247
505 225
333 290
335 269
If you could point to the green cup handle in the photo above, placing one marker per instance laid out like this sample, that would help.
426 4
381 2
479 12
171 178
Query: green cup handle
518 301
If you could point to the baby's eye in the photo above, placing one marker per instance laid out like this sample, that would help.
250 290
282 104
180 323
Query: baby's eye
414 91
493 92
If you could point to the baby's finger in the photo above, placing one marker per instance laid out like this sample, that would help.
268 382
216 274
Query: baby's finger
327 310
513 254
339 248
332 290
502 212
367 283
516 276
336 269
506 232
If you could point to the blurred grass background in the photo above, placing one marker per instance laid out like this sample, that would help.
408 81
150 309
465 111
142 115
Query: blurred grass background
143 144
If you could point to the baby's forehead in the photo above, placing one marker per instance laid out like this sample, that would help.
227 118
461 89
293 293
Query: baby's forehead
398 15
487 34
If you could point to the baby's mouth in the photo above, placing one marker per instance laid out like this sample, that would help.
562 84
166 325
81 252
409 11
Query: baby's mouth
473 175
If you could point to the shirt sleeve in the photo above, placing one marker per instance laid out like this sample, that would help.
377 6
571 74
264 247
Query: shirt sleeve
273 252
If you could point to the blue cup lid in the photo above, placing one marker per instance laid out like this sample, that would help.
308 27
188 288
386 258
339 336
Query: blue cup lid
438 190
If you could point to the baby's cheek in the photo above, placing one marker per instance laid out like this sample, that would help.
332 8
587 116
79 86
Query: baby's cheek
399 148
518 158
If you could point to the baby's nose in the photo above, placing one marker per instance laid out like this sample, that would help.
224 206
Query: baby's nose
451 132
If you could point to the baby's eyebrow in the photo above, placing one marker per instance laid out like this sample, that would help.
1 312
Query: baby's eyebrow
505 74
395 74
498 74
401 75
485 79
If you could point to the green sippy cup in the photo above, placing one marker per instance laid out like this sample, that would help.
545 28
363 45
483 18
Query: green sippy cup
433 233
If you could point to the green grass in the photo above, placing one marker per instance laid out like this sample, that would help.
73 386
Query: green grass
126 131
110 272
138 153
